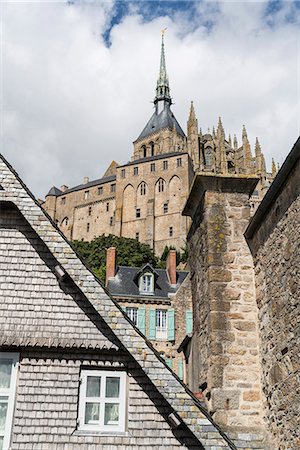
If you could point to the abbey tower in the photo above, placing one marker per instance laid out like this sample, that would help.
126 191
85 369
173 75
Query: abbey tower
144 198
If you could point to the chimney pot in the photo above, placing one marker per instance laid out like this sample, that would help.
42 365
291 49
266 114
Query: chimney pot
86 180
110 263
171 266
63 188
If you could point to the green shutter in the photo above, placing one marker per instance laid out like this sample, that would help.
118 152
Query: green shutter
171 325
169 362
141 319
180 369
189 321
151 329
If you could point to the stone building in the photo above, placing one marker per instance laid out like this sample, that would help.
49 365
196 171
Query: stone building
245 346
273 236
143 199
158 302
74 371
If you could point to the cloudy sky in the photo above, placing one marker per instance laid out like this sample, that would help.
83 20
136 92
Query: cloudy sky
78 78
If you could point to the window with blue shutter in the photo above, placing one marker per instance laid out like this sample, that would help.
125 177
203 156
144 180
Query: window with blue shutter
189 321
171 325
169 362
151 324
141 319
180 369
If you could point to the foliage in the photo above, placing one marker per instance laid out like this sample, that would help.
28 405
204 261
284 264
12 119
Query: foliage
130 253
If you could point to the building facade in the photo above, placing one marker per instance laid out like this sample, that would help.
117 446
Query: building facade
158 302
144 198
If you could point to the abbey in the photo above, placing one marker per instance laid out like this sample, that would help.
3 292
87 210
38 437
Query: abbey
144 198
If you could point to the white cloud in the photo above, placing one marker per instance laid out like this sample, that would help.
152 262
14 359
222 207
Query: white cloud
70 104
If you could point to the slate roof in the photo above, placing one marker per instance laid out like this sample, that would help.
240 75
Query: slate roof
186 407
54 191
123 283
79 187
165 119
153 158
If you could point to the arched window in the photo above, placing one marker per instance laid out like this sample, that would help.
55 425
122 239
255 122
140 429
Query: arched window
161 185
146 283
152 148
144 150
208 156
143 188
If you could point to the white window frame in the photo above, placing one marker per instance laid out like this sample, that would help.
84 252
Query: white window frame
99 425
144 286
10 393
132 313
161 332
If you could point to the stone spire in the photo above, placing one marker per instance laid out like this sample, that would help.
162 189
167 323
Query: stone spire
229 141
220 129
235 142
162 87
246 150
274 169
192 120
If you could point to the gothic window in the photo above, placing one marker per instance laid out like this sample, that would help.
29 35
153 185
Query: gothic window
143 188
144 150
208 157
152 148
161 185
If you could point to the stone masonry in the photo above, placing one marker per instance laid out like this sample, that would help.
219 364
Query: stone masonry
224 302
274 239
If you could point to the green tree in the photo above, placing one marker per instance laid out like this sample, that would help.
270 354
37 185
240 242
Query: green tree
130 253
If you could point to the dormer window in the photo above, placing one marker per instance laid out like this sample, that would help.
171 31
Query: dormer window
146 284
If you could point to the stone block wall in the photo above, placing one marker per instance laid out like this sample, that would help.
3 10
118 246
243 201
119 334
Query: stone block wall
224 302
275 245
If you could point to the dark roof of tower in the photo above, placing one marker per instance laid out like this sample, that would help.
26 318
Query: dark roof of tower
165 119
54 191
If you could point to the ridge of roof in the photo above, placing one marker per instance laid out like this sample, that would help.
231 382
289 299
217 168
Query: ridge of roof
133 341
153 158
89 184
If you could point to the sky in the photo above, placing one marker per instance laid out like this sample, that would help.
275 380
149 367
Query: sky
78 78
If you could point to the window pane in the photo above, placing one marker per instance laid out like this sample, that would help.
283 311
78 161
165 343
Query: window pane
5 373
111 415
92 413
112 387
93 386
3 412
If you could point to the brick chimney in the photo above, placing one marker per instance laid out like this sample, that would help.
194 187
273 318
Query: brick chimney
110 263
171 266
